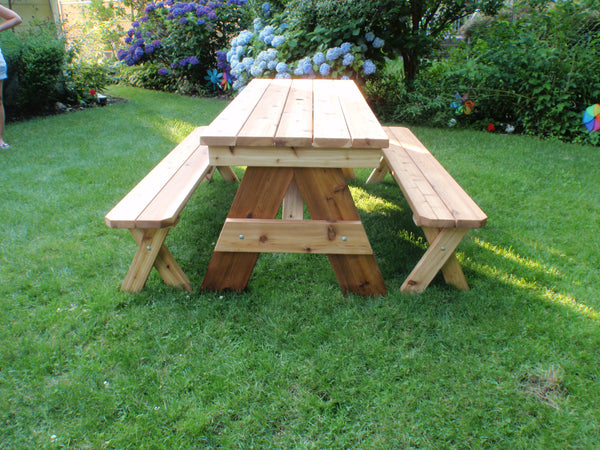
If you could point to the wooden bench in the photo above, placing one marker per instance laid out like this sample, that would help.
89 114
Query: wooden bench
440 207
153 207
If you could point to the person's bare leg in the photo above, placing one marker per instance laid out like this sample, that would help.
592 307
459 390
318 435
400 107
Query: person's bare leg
2 143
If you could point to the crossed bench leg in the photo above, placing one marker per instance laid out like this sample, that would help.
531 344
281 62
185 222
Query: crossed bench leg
439 256
152 252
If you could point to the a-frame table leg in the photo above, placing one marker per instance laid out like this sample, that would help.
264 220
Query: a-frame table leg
328 197
259 196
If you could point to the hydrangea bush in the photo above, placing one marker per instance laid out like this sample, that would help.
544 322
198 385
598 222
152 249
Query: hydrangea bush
179 40
270 49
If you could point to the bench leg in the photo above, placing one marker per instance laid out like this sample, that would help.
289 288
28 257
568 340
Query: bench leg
379 172
152 252
227 173
439 256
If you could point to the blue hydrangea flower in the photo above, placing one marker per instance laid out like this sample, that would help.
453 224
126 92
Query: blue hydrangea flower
307 68
269 39
212 15
348 59
257 25
284 75
277 40
266 8
368 67
324 69
163 71
149 49
345 77
281 67
271 65
298 71
346 47
266 31
319 58
272 54
135 24
201 21
256 71
333 54
149 7
378 43
157 43
193 61
369 36
144 19
128 40
183 21
121 54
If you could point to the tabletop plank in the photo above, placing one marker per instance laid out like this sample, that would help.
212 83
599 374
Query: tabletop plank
262 124
224 129
365 130
329 129
296 125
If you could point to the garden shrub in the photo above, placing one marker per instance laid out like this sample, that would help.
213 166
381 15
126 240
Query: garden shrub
175 43
314 42
535 74
35 59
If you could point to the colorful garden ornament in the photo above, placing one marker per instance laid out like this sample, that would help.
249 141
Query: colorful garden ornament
591 117
463 105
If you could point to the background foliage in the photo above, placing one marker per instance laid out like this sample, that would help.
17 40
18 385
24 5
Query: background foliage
42 71
530 68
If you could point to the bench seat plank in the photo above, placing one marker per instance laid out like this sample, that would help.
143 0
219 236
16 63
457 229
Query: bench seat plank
435 197
126 213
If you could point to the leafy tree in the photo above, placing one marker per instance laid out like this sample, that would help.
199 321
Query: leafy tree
412 27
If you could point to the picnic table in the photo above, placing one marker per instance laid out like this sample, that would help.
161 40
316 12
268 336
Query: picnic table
295 137
300 140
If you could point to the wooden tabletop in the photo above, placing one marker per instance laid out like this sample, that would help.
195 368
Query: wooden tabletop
297 113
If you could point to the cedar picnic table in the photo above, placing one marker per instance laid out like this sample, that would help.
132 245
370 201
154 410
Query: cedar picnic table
300 140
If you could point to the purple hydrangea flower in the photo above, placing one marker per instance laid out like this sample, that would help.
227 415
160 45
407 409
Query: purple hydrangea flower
193 61
144 19
163 71
201 21
211 15
135 24
149 7
121 54
149 49
183 21
128 40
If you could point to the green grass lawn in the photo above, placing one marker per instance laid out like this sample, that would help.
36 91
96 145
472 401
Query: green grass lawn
291 362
